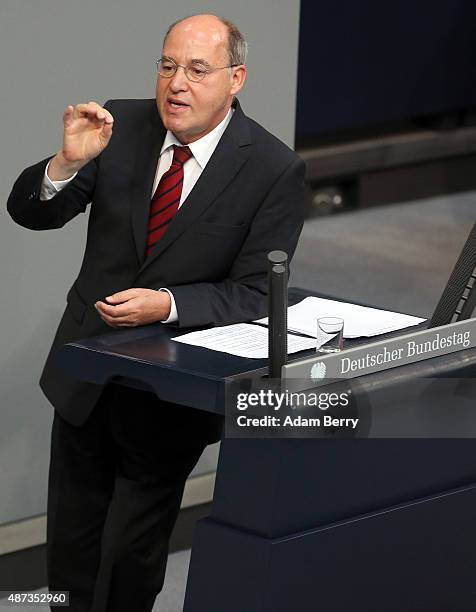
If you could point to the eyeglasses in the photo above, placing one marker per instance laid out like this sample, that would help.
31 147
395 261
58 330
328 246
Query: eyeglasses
194 72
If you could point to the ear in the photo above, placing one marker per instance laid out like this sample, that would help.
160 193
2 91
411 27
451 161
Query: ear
238 79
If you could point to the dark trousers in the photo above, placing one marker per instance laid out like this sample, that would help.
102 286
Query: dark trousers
115 487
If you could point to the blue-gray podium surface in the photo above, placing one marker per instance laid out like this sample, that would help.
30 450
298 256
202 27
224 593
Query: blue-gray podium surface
326 524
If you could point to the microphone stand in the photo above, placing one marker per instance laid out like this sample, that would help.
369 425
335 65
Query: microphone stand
278 271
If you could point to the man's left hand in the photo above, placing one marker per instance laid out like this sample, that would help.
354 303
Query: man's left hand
134 307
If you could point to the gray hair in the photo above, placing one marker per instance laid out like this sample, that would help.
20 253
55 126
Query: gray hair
237 45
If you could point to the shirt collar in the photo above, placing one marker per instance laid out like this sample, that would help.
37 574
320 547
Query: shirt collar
202 149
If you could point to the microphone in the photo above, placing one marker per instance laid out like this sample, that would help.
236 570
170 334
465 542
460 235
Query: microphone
278 271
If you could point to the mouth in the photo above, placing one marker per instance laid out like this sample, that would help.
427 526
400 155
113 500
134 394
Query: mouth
176 105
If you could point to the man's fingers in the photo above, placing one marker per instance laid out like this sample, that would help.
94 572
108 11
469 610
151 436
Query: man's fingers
68 115
94 112
122 310
123 296
84 110
107 131
117 321
101 112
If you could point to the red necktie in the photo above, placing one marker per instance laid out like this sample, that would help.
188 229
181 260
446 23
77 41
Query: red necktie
166 199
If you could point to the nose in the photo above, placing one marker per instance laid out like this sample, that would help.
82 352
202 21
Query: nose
179 81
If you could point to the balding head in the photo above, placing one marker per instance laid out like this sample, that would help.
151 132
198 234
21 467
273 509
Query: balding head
237 47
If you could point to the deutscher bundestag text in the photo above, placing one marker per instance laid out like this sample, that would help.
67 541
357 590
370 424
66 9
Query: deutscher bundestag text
411 349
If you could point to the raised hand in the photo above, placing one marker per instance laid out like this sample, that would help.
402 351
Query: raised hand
87 131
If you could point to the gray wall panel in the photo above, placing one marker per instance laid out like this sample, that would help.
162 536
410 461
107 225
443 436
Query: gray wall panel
51 54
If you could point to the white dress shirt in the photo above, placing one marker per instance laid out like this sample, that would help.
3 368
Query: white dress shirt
202 149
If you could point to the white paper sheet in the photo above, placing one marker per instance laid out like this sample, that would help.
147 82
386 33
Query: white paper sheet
242 339
358 320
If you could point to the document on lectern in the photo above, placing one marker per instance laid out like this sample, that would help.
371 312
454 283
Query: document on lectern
358 320
242 339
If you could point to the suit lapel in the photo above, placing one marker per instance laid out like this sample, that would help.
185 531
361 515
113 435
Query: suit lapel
150 140
228 157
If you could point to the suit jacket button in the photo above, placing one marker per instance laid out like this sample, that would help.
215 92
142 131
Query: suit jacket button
32 196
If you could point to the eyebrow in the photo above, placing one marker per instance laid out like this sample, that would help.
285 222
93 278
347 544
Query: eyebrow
201 61
193 61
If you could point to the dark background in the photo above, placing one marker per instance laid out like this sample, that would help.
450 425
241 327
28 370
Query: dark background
370 63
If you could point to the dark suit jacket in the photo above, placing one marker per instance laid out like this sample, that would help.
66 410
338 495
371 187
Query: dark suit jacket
247 202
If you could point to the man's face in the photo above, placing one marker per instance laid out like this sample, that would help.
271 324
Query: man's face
192 109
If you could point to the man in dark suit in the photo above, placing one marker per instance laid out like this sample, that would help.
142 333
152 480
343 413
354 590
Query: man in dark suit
224 193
